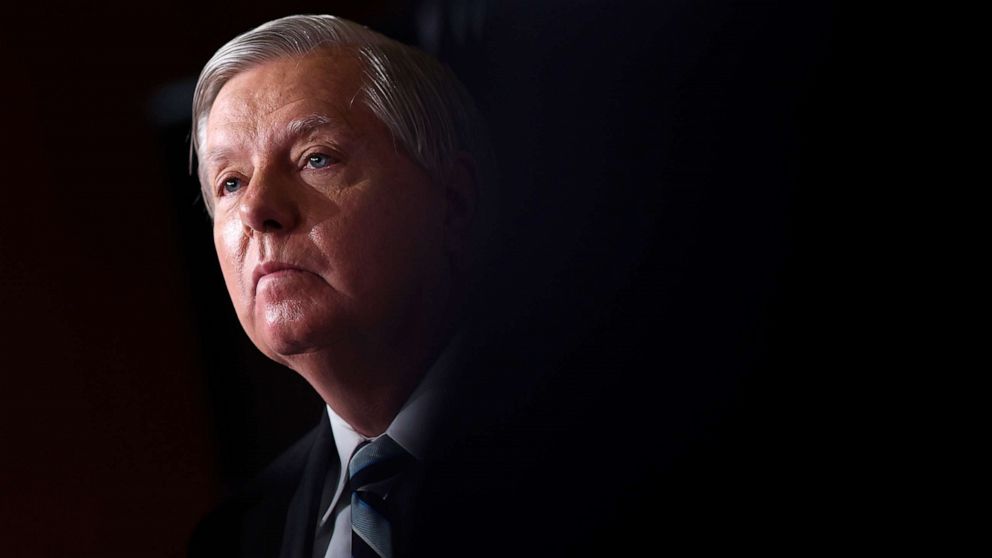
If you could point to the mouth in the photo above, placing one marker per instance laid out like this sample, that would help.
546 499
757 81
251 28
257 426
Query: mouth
272 269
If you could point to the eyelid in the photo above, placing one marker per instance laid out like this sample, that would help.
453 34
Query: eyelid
333 155
223 177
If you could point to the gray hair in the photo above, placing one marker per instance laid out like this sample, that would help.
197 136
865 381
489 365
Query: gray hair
421 102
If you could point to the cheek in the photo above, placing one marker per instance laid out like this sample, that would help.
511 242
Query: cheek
374 245
229 241
348 247
228 236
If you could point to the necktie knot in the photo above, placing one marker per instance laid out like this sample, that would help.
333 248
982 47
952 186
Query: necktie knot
377 461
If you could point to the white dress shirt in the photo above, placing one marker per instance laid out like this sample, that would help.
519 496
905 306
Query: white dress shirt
412 428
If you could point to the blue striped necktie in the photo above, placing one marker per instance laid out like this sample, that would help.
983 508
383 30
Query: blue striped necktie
371 473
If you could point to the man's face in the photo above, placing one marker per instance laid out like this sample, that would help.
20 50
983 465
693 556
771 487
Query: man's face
327 233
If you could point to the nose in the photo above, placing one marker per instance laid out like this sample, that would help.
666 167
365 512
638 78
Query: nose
268 204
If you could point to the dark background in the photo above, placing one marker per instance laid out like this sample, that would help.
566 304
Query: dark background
662 260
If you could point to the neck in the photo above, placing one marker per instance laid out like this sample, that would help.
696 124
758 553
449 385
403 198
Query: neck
367 380
366 393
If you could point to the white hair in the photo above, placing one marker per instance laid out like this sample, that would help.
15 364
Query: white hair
421 102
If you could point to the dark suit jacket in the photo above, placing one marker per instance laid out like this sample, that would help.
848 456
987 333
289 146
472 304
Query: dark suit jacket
276 514
569 464
475 496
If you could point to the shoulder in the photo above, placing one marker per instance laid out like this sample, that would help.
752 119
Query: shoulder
251 521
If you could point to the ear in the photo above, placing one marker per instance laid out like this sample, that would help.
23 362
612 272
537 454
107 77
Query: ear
461 197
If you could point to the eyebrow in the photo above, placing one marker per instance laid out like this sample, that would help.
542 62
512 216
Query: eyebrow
213 156
307 124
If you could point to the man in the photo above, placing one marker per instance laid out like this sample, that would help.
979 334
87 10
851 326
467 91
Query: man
342 171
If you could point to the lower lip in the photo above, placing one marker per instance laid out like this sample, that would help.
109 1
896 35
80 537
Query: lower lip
281 274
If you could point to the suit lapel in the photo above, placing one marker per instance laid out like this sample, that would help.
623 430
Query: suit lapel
304 508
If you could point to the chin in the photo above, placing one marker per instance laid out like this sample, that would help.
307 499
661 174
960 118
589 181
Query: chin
283 350
281 343
284 334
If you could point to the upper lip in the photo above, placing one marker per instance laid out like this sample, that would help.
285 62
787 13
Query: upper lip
266 268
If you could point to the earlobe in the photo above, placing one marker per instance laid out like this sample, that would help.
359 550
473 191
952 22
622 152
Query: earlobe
461 197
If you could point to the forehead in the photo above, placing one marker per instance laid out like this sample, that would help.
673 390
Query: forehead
274 93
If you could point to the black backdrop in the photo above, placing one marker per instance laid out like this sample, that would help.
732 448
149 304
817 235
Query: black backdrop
661 254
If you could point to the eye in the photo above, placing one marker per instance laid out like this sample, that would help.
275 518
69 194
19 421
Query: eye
231 185
318 161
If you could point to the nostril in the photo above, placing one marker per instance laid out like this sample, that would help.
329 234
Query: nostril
271 225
